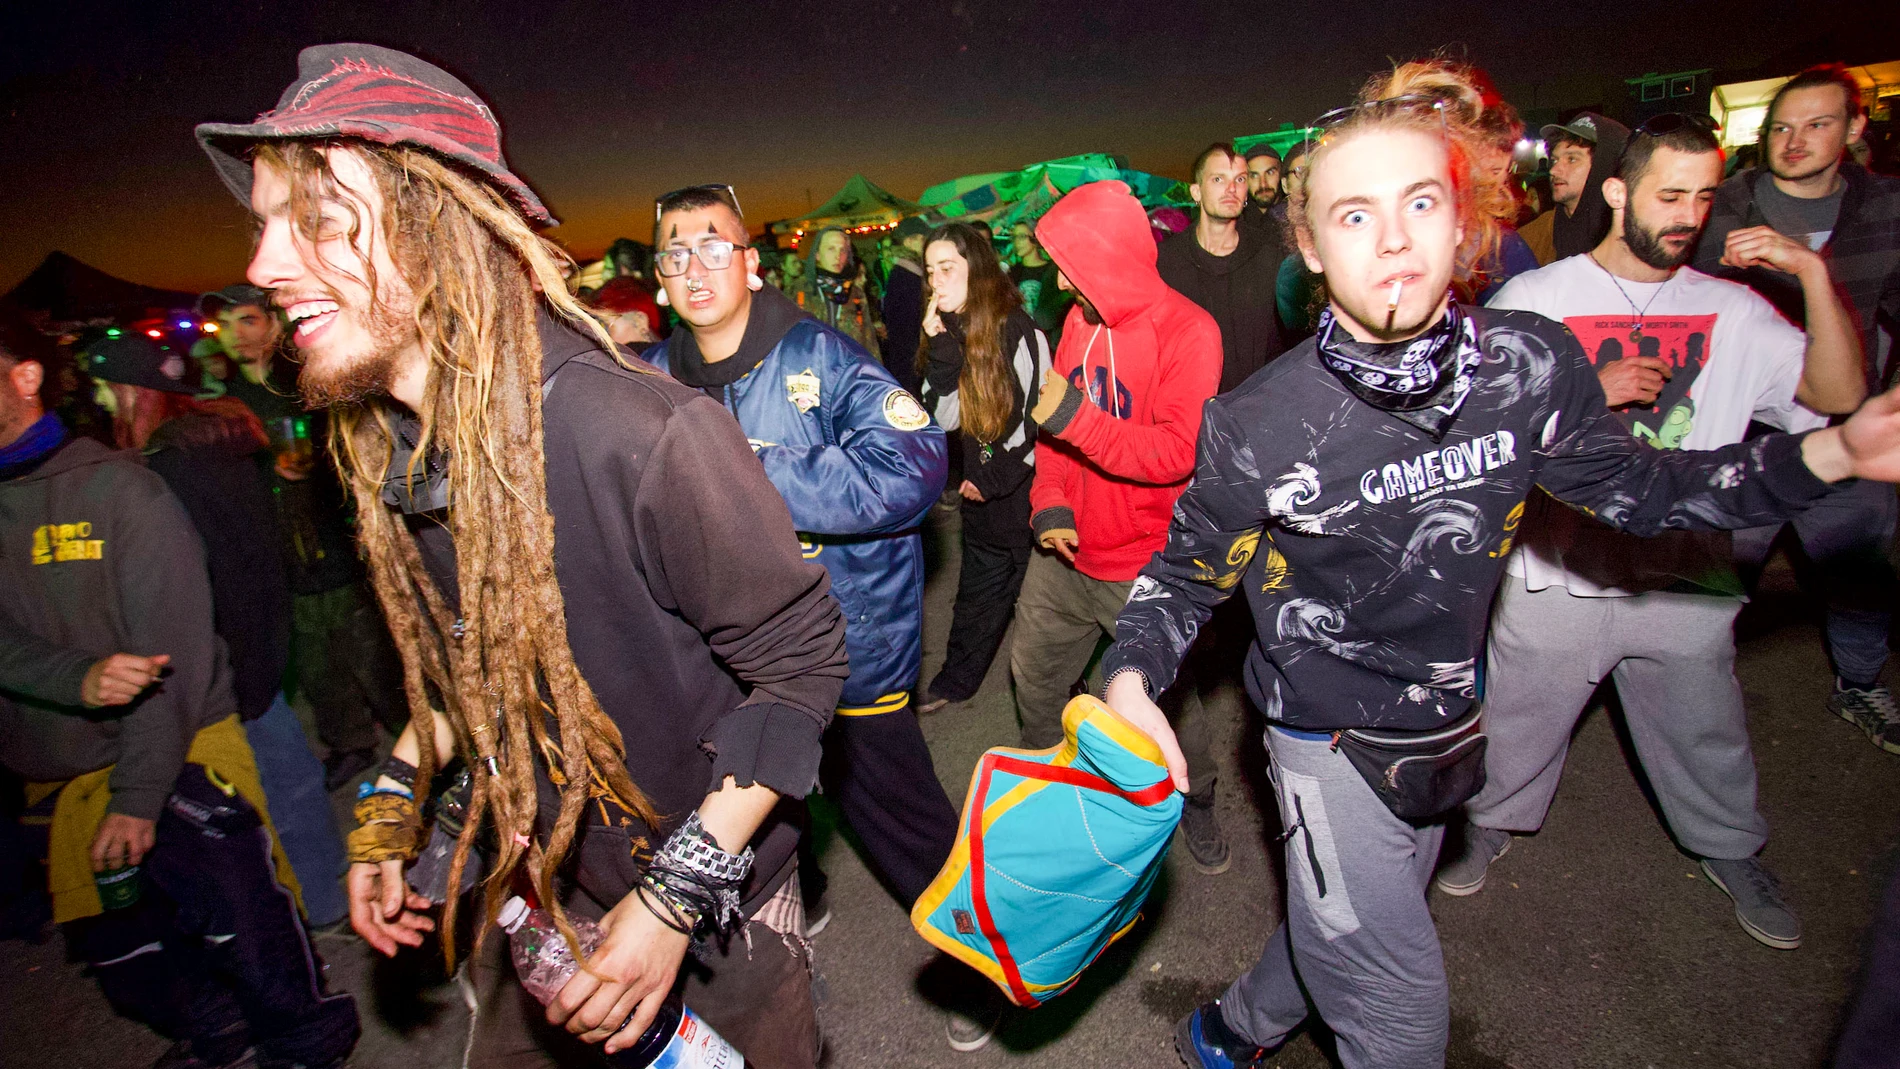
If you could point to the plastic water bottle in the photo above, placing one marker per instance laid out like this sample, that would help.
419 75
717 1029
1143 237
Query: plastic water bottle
677 1039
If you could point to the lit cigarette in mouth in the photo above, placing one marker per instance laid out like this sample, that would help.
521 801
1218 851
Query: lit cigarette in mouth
1392 302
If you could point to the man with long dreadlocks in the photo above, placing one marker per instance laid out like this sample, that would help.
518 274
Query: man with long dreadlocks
632 701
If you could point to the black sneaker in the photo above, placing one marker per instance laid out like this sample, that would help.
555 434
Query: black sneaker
1872 710
1206 843
342 766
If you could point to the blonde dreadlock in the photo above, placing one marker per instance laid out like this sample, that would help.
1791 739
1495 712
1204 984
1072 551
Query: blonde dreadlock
474 268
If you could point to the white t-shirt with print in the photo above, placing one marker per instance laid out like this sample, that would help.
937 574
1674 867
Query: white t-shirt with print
1735 359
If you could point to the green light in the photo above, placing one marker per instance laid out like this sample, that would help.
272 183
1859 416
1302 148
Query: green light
113 332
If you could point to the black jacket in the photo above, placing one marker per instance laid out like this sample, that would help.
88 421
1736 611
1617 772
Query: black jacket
1863 254
711 643
1001 470
1237 290
318 545
903 322
1369 552
208 463
1577 232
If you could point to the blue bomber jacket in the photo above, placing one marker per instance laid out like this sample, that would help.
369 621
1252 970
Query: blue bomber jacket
858 462
1368 551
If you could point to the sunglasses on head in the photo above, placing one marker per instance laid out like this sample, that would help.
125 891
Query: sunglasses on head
1419 102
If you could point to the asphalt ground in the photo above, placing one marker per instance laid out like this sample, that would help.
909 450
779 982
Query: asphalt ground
1595 943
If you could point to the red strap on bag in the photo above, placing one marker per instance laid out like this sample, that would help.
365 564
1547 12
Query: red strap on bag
1019 993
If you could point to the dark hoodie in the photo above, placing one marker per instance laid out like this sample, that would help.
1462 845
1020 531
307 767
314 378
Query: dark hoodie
208 460
97 556
1236 289
1577 232
711 644
1111 469
854 316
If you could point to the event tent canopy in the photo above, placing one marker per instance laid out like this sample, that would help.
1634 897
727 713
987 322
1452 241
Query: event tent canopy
1282 139
1022 196
68 292
861 206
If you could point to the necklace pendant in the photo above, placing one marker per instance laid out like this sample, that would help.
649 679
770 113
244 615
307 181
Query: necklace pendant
1636 335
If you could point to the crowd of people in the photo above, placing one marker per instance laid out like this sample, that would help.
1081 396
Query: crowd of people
591 575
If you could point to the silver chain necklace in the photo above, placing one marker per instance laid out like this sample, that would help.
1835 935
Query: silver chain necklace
1636 332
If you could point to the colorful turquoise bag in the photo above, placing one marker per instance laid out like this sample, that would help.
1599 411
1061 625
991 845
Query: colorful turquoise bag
1057 851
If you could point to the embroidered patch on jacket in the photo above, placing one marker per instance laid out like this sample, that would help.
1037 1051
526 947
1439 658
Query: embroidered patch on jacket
902 411
802 390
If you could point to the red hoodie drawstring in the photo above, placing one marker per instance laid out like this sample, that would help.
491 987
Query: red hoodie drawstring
1113 398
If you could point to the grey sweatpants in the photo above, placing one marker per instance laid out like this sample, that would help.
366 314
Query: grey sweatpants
1672 657
1358 938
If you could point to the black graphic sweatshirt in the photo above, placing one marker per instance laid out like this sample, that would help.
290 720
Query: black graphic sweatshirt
1369 552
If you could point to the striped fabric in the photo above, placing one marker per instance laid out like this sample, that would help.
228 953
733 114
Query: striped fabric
379 95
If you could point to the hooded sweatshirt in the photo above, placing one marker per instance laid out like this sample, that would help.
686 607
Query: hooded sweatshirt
1236 289
1111 468
207 459
96 555
855 315
1577 232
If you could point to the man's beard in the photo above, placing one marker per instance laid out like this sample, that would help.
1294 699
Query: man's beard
1266 199
1647 245
1089 315
351 379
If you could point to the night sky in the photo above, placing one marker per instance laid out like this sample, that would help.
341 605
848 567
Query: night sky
604 105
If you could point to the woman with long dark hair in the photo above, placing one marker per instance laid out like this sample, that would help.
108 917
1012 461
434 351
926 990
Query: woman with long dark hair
982 359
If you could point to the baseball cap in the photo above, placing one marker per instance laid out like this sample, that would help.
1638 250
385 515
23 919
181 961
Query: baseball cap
913 226
1583 127
1261 149
233 296
134 360
381 95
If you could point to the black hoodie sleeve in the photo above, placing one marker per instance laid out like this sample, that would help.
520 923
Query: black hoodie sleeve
1008 469
1591 462
1219 524
943 367
719 546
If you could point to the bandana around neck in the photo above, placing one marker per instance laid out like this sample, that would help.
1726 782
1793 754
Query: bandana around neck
833 287
1422 381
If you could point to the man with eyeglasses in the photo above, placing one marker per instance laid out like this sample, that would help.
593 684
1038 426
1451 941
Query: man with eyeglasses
1808 193
1686 362
1226 268
859 463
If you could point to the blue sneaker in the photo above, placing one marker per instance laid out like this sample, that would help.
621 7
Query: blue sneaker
1204 1041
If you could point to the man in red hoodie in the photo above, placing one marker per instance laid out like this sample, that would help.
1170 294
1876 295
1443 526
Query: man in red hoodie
1118 421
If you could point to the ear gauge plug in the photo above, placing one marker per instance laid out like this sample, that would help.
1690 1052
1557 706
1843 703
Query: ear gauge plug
753 282
660 298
